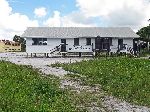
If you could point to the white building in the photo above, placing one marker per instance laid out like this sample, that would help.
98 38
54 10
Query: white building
57 40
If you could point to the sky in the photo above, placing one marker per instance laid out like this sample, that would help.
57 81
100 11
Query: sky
17 15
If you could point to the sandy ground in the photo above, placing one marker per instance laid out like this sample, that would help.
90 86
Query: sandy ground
40 63
109 102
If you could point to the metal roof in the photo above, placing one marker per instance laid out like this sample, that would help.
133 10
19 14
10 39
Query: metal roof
76 32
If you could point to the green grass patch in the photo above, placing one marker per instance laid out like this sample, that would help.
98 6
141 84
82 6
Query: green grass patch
126 78
24 89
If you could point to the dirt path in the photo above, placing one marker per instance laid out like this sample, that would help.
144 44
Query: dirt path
107 103
93 98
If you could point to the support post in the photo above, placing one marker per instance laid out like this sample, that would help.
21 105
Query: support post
94 54
35 55
80 54
47 55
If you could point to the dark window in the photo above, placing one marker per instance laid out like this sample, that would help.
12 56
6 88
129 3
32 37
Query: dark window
7 43
76 41
107 42
120 41
105 46
35 41
63 41
44 41
88 41
39 41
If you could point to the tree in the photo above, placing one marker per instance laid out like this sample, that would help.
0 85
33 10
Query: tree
144 33
20 40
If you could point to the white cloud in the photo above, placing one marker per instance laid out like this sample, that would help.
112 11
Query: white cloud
130 13
54 21
12 23
40 12
74 19
133 13
77 19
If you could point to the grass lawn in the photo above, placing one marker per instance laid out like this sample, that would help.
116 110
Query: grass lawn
23 89
128 79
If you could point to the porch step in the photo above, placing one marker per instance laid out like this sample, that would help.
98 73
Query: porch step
63 52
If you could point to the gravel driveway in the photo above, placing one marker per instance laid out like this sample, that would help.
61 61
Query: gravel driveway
40 63
110 103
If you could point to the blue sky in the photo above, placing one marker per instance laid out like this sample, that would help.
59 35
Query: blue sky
17 15
27 6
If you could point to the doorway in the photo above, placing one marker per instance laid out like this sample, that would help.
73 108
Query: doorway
102 44
120 44
63 45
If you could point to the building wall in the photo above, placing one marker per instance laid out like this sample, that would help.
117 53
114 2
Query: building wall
2 47
53 42
114 47
9 48
82 47
129 42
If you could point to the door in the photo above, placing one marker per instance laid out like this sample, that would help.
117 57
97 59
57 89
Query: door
102 44
106 44
120 44
98 44
136 47
63 45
